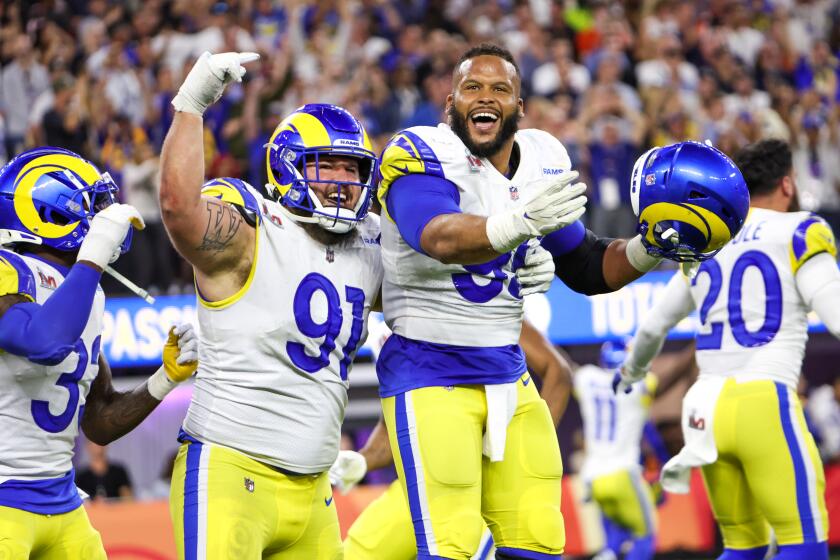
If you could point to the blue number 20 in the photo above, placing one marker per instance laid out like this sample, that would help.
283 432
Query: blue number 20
53 423
772 306
330 328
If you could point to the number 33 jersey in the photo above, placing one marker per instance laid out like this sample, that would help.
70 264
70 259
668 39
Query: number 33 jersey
274 357
41 406
754 323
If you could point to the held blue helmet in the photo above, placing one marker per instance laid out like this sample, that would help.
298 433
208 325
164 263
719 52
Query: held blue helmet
308 134
48 197
613 353
690 199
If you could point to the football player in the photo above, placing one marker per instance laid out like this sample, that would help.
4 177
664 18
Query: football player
384 531
285 285
463 203
613 427
60 227
741 420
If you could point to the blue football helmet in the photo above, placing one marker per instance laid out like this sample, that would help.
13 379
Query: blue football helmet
690 198
311 132
613 353
237 192
48 197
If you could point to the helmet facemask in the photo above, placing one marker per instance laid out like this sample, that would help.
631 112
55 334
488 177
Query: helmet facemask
292 167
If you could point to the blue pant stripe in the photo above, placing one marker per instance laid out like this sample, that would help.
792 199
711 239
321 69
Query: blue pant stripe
191 502
803 503
484 553
528 554
410 473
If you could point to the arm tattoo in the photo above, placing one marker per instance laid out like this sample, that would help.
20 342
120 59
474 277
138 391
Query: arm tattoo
223 222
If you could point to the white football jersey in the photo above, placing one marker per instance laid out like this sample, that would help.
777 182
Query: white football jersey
471 305
41 406
753 320
612 424
274 358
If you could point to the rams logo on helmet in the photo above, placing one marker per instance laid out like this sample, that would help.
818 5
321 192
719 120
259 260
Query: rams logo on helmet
690 198
312 132
48 196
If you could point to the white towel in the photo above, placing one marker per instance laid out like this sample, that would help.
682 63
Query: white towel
501 404
698 414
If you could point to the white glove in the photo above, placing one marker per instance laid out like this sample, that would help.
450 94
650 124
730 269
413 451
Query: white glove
537 273
625 377
555 204
108 229
349 468
206 81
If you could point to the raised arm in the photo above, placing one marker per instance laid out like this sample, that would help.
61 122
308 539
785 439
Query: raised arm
673 305
207 232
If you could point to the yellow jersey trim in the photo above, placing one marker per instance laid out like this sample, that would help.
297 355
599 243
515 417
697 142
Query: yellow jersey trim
230 300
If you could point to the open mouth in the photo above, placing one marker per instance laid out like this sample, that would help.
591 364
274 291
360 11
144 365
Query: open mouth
484 121
337 200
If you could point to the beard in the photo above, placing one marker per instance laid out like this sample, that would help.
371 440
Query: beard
458 123
794 203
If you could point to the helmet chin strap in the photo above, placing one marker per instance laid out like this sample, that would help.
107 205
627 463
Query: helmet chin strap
337 224
340 223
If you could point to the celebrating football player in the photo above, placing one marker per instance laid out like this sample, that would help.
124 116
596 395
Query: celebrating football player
60 227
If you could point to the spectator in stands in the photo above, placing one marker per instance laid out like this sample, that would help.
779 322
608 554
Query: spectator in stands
21 82
102 478
65 125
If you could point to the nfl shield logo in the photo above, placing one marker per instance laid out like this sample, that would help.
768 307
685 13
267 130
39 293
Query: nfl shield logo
330 255
514 193
249 485
650 179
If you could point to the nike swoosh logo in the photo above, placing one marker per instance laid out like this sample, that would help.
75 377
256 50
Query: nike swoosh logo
328 501
526 381
403 169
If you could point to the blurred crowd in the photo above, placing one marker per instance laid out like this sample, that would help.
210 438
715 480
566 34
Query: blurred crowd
609 79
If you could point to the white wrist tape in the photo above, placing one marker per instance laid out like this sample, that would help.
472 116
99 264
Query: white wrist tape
503 234
159 385
638 256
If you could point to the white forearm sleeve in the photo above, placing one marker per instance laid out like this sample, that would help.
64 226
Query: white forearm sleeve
674 304
818 282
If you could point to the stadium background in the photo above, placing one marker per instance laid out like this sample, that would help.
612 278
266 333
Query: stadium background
609 79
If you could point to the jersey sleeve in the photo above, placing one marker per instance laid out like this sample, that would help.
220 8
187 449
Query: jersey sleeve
236 192
405 154
811 237
16 278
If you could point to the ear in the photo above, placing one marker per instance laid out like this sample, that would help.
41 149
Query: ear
450 99
521 108
787 186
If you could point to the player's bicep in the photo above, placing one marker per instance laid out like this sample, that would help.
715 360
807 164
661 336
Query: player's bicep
215 237
101 391
8 301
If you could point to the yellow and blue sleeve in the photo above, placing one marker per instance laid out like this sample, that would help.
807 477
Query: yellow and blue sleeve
234 191
405 154
15 277
811 237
